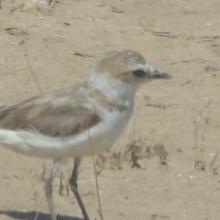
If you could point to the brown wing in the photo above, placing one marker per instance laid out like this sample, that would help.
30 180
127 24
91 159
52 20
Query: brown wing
60 115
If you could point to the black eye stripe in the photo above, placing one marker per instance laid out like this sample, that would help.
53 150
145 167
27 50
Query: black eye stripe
139 73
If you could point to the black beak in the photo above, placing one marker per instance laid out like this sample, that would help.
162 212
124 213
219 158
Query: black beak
160 75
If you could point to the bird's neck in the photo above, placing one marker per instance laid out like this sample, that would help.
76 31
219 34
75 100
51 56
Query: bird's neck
112 88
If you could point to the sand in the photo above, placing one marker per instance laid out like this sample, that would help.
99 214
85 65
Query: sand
174 134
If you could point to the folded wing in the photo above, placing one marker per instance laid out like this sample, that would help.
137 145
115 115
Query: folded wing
59 115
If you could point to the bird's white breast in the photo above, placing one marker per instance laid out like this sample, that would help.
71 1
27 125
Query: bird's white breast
100 137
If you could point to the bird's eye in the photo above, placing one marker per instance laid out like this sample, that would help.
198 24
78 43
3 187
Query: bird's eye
139 73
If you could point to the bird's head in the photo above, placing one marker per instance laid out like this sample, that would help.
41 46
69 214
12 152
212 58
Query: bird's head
128 67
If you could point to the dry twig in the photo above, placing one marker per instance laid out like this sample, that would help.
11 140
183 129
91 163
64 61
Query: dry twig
100 212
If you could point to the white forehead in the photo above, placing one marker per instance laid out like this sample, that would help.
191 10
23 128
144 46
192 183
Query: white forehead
144 67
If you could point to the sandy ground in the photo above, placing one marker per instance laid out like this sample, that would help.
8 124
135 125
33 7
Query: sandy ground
178 120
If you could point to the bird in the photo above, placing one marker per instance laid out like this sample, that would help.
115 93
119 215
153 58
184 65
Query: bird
77 120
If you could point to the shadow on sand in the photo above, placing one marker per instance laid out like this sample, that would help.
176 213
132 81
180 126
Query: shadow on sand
31 215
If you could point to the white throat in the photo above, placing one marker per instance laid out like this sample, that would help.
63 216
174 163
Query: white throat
112 88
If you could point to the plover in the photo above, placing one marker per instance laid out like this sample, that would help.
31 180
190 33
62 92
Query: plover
79 120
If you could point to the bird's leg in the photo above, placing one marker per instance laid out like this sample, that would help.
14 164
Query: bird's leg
74 187
49 188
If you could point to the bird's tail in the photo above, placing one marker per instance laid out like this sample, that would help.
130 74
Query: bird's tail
30 143
10 140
